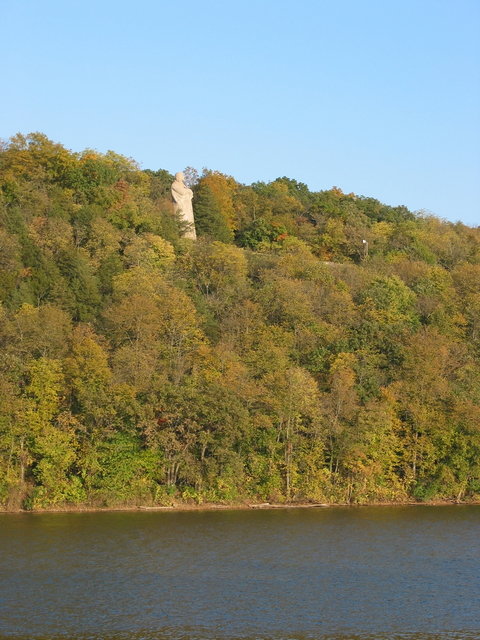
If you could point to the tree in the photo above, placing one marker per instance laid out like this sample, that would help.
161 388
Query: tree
292 396
213 206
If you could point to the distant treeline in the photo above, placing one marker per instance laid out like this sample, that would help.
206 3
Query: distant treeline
310 346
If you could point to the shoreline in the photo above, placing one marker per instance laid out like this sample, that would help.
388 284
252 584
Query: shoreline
178 507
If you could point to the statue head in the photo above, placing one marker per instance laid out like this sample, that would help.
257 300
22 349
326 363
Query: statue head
180 177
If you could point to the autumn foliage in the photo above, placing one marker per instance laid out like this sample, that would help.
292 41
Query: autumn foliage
274 359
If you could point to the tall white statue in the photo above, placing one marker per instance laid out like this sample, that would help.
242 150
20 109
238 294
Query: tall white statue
182 197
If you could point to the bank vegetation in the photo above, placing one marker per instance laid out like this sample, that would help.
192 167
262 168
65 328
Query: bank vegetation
309 347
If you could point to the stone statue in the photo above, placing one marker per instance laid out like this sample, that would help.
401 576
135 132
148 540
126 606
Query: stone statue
182 197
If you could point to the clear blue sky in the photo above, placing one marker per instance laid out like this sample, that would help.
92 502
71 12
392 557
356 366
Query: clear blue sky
381 98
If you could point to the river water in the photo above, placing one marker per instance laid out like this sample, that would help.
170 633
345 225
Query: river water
370 573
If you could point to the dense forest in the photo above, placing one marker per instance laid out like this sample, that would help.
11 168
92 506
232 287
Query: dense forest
309 346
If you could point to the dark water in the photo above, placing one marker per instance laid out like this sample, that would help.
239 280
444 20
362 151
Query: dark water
409 573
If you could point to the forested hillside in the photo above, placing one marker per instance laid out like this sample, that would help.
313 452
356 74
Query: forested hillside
280 357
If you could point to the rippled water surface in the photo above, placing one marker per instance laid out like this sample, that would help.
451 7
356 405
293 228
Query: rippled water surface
396 573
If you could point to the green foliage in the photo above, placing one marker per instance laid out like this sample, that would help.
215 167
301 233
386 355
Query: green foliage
260 234
272 359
